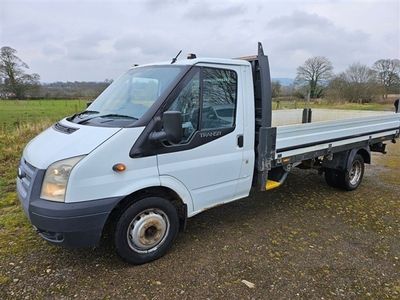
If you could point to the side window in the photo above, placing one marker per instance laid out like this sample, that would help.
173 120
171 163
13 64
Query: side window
188 103
219 98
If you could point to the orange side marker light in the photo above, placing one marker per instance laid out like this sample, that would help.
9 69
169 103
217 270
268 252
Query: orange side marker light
119 167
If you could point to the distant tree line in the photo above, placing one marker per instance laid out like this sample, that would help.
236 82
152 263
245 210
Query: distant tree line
315 79
72 90
358 83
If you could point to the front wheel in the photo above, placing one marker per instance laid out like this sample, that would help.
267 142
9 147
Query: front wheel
146 230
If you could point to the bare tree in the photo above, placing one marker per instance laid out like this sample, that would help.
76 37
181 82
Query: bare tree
358 73
13 74
315 72
276 89
388 74
356 84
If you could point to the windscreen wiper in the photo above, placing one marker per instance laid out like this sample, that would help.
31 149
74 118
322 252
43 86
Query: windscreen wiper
108 116
89 112
117 115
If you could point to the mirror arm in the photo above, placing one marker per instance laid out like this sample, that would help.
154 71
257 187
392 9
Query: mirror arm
172 128
158 136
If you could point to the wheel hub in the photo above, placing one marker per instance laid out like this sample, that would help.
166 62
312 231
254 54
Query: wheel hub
148 230
355 173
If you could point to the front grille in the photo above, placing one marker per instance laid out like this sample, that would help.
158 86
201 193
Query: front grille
26 174
25 179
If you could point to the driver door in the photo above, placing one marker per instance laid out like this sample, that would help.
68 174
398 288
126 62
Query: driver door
208 160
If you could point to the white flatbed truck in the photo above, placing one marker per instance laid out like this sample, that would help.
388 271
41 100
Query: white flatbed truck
167 141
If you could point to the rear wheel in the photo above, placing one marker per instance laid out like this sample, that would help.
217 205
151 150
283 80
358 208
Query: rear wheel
353 176
146 230
348 180
333 178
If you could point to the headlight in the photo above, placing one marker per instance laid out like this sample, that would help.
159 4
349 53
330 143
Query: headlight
56 179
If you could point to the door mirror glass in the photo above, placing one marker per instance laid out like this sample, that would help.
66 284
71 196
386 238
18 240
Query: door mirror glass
172 124
172 128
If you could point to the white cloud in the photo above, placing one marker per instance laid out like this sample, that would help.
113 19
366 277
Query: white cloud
93 40
302 35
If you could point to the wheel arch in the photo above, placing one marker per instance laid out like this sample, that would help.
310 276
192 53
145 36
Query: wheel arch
364 152
152 191
342 160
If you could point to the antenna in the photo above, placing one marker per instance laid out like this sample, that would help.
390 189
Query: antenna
176 57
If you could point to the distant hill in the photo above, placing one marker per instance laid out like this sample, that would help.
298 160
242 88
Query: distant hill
284 81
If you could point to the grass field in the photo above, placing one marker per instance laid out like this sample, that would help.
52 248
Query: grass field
15 112
348 240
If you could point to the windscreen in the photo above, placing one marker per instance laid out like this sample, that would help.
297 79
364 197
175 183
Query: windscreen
135 92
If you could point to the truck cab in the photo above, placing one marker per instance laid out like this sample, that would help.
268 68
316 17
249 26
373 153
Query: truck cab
95 164
165 142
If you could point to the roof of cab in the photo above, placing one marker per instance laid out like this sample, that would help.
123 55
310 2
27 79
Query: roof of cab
202 60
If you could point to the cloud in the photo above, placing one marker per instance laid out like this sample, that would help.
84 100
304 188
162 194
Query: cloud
53 50
93 40
302 35
150 43
298 20
204 11
86 47
25 31
152 5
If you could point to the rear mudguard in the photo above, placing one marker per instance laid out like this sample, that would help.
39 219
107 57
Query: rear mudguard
342 160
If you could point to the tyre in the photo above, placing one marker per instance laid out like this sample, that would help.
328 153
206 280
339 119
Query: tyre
146 230
333 178
353 176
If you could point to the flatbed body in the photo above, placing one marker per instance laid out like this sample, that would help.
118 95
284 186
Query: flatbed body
331 129
310 137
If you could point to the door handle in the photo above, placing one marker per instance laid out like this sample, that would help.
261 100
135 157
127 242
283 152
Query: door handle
240 140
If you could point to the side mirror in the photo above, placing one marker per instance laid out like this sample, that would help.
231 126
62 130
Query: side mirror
397 106
172 124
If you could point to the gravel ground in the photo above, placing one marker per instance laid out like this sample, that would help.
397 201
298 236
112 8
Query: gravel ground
304 240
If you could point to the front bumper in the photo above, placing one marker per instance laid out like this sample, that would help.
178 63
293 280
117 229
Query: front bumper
69 224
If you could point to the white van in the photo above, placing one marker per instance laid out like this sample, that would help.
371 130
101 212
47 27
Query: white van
167 141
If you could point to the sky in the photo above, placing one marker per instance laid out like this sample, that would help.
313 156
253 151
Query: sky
92 40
